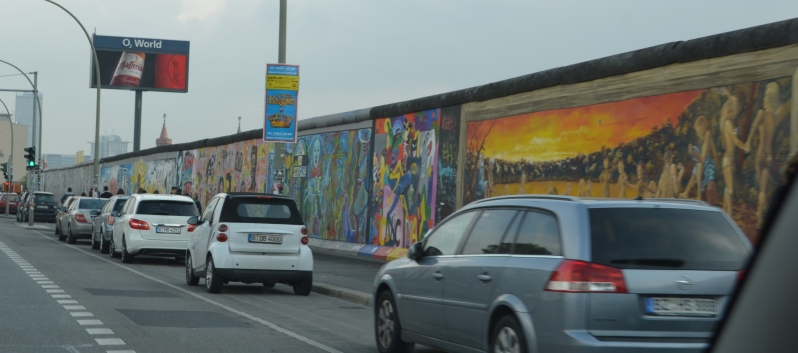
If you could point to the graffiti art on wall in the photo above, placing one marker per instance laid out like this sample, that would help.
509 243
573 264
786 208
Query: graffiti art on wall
116 177
448 152
405 166
722 145
328 175
158 175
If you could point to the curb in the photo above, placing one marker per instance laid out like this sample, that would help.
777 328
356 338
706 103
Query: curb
349 295
376 253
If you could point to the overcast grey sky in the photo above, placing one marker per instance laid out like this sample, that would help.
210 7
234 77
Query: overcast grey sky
352 54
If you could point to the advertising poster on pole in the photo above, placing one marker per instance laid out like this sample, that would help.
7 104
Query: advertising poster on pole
282 88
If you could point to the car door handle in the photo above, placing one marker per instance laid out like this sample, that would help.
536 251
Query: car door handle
437 275
484 278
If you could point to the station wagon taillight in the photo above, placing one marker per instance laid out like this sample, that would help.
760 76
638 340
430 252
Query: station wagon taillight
138 224
110 220
583 277
191 227
221 237
80 218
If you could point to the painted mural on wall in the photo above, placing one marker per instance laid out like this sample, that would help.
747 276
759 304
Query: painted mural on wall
328 175
116 177
448 152
158 175
57 181
721 145
405 166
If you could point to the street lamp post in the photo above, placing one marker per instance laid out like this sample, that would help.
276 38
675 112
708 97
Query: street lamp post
96 179
11 157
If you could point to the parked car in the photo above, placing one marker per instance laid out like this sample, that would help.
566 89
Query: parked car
558 273
43 204
104 222
250 238
153 224
12 199
78 218
61 211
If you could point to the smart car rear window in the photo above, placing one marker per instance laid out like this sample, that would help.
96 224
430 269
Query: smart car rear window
260 210
167 208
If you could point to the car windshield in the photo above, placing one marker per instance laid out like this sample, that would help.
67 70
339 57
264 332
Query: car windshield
91 204
167 208
260 210
665 238
44 198
12 198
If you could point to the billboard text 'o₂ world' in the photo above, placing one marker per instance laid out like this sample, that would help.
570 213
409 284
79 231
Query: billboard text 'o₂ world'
141 64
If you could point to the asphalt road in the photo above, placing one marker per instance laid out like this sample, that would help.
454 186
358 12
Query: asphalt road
56 297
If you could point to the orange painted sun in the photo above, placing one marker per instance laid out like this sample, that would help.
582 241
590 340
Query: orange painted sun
558 134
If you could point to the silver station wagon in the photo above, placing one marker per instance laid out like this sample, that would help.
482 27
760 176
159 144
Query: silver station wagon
539 273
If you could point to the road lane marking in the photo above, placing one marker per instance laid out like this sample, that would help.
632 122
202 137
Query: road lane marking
61 296
74 307
90 322
210 301
81 314
55 291
50 286
99 331
120 351
44 282
110 341
67 301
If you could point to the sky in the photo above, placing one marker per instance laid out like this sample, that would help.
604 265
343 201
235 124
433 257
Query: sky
352 54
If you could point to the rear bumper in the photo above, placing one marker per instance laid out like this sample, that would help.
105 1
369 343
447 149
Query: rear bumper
135 244
82 230
264 275
44 215
583 341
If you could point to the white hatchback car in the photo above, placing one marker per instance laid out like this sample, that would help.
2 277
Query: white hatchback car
250 238
152 224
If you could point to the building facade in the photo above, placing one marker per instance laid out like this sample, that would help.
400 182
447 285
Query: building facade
24 113
110 145
20 131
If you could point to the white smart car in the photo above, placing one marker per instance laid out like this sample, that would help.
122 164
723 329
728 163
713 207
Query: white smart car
152 224
249 238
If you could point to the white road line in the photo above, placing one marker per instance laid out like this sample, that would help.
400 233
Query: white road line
110 341
74 307
210 301
120 351
55 291
61 296
99 331
39 278
90 322
50 286
81 314
44 282
67 301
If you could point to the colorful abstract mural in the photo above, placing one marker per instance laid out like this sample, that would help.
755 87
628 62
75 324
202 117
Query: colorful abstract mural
116 177
405 169
721 145
158 175
448 152
328 175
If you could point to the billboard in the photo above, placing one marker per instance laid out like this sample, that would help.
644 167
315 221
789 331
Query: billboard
141 64
282 88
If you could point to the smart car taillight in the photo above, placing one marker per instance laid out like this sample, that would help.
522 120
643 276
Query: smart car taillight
221 237
111 220
80 218
583 277
191 227
223 228
305 240
138 224
304 231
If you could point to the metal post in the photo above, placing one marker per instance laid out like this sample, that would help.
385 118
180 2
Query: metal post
281 51
279 157
137 123
35 133
31 198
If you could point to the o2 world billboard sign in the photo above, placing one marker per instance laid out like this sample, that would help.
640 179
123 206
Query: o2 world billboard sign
141 64
282 89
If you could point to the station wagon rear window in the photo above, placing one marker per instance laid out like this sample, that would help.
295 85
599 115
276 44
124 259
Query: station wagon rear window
167 208
260 210
44 198
664 238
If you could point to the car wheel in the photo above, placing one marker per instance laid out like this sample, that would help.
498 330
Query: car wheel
61 235
103 244
57 232
191 279
126 256
71 237
269 284
304 287
112 249
507 336
387 328
213 282
94 244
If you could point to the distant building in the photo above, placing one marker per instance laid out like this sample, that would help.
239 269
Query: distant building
24 113
110 145
60 160
164 139
18 165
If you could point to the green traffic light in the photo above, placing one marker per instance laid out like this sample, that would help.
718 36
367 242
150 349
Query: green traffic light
31 163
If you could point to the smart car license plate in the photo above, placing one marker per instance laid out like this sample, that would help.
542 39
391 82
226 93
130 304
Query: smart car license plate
266 238
681 306
168 230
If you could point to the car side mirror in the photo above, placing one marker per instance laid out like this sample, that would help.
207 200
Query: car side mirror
193 220
416 251
94 212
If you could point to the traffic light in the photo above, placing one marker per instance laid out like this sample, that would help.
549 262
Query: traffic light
31 157
4 168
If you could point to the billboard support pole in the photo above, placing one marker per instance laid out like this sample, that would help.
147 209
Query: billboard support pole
35 133
281 49
96 179
279 157
137 123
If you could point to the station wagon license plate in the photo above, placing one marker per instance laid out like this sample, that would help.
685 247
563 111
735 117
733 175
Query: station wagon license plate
681 307
266 238
168 230
44 207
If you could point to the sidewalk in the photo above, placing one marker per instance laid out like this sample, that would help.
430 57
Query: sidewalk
346 277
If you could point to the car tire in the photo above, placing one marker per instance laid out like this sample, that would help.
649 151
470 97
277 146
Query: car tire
126 256
57 232
191 279
269 284
70 237
104 246
507 336
303 287
387 328
94 244
112 249
213 282
61 235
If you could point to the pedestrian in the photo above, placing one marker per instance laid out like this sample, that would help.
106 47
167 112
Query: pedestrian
82 194
195 197
120 191
91 193
156 191
106 194
174 191
66 195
